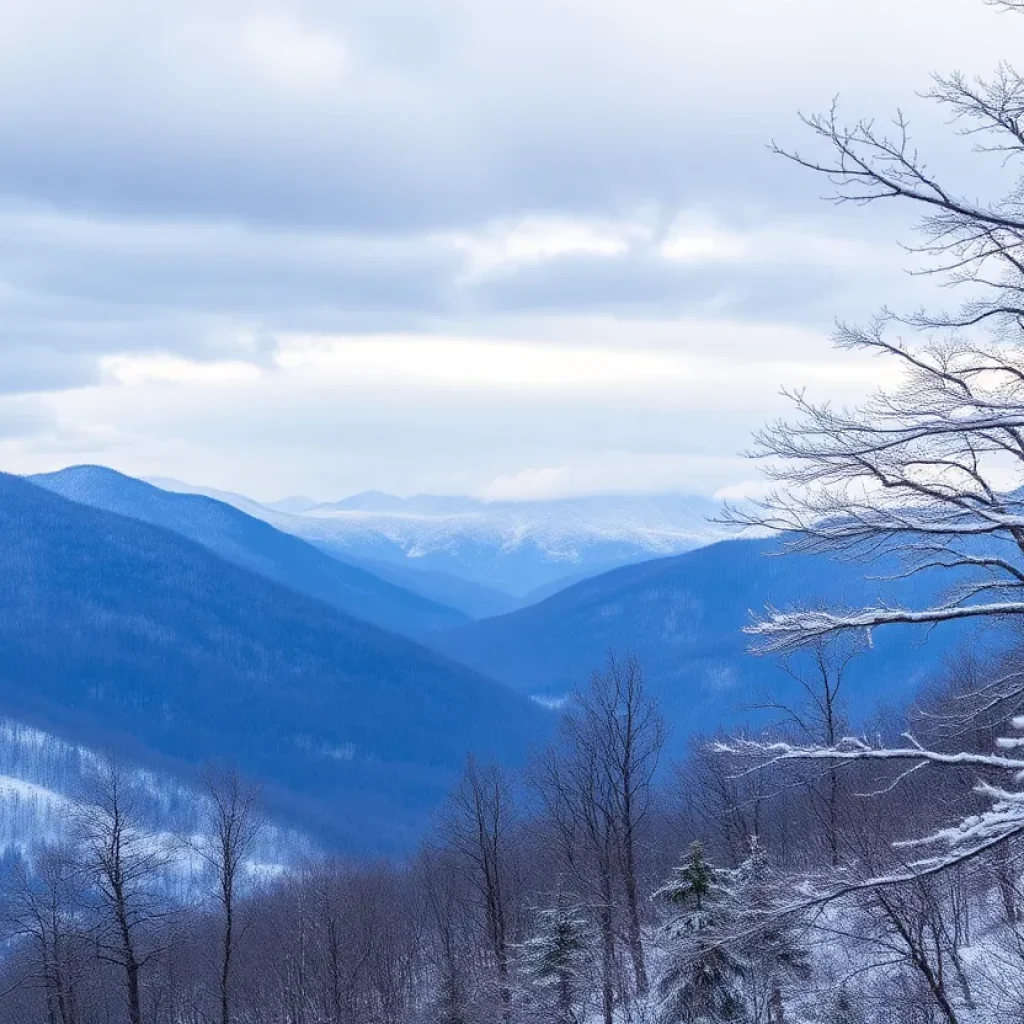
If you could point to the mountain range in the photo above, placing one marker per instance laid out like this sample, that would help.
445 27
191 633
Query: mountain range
175 628
118 633
519 548
684 617
257 546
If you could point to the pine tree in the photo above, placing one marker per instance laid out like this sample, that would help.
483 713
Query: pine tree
701 976
765 937
690 883
556 957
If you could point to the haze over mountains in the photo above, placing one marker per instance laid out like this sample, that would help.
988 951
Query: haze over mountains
517 547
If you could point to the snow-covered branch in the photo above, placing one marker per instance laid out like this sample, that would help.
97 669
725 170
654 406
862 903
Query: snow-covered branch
782 631
961 841
853 749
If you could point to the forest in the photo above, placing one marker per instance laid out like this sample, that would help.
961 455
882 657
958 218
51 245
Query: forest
828 864
799 877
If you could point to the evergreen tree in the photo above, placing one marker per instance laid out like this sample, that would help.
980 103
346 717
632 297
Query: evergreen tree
700 980
765 938
556 957
690 883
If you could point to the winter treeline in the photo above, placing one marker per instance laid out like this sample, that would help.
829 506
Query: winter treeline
744 885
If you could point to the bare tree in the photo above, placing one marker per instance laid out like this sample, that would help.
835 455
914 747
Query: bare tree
577 793
819 670
616 715
235 821
126 868
41 909
479 826
926 471
441 884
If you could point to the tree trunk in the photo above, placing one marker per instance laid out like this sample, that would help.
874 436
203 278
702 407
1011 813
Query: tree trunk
225 967
129 959
564 1015
636 945
607 950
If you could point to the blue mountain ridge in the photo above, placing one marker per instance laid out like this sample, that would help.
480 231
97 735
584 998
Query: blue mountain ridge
684 615
474 600
255 545
123 634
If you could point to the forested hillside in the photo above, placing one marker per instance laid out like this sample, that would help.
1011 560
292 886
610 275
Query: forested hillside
114 631
684 618
254 545
579 890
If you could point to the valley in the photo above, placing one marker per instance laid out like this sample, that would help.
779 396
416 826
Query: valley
176 629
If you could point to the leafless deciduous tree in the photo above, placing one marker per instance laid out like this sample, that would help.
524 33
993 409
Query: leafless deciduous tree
617 716
126 868
580 805
479 825
41 908
819 670
596 786
233 829
926 471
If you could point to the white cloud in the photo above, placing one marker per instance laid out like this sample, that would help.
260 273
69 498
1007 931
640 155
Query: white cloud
535 239
135 371
509 246
744 490
291 54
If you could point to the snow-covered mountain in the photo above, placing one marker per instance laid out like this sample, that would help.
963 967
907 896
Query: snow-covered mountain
256 545
46 781
515 546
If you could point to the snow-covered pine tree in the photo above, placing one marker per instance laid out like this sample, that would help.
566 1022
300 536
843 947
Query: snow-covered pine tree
765 940
700 978
690 883
556 958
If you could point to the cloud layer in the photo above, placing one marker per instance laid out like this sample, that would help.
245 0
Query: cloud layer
479 245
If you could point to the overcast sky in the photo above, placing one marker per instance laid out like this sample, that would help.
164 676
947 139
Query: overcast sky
513 248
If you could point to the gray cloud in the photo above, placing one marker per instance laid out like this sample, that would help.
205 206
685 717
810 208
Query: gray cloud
23 418
200 180
642 284
432 114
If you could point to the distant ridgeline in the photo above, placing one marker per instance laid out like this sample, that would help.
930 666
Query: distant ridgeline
254 545
116 632
522 550
177 629
684 617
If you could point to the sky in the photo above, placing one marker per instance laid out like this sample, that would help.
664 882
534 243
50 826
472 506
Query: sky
509 248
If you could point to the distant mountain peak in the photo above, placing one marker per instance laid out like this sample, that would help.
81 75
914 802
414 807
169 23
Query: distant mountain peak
513 546
229 529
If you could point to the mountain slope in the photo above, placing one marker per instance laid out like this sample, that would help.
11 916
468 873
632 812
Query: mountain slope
683 616
255 545
474 600
113 631
514 546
